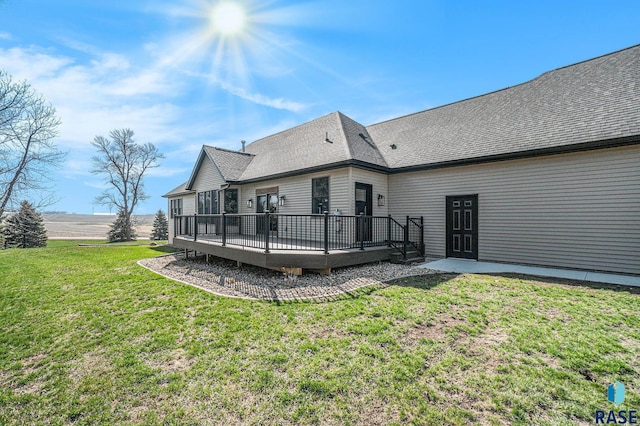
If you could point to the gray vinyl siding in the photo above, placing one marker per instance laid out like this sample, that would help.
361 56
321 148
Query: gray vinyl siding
380 186
297 191
208 178
579 210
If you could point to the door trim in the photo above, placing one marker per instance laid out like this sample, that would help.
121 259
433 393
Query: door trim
364 231
467 217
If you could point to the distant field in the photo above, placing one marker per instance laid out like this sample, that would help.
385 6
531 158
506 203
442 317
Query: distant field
89 227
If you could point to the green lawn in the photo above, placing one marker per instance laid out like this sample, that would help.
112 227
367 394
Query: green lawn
87 336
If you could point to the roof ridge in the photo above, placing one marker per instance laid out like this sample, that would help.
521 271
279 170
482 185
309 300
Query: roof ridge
364 135
344 134
590 59
229 150
503 89
370 142
291 128
452 103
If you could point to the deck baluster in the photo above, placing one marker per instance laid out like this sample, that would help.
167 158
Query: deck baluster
361 226
267 228
195 227
224 229
405 243
326 232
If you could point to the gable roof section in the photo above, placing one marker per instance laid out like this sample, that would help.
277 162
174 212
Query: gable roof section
178 190
329 140
594 100
230 164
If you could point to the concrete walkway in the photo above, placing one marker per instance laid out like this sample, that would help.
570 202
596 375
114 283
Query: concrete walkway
475 267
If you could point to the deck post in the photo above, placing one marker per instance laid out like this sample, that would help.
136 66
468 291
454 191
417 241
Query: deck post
405 243
267 228
422 235
361 226
326 232
195 227
389 231
224 229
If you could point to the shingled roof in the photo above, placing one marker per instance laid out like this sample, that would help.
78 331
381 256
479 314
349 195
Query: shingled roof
591 104
231 164
178 190
331 139
591 101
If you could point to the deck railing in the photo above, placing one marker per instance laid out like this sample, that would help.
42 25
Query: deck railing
318 232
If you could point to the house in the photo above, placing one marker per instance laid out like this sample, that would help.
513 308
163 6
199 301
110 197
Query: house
543 173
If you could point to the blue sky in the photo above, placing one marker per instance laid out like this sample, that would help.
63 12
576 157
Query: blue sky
164 69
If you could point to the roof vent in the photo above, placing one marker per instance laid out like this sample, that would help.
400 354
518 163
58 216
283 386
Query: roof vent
243 142
393 146
364 138
326 137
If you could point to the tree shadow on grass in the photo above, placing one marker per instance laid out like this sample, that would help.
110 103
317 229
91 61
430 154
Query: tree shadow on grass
428 282
424 282
165 249
573 283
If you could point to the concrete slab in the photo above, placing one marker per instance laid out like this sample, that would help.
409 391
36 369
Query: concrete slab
552 272
613 279
475 267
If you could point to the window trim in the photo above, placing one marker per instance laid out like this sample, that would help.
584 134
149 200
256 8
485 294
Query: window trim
207 202
314 196
175 207
224 202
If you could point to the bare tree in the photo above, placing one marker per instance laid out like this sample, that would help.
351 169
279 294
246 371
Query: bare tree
123 163
27 126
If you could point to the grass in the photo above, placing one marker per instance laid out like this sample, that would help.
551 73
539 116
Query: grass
89 337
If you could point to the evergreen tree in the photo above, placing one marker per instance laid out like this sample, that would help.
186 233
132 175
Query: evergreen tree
122 229
25 228
2 246
160 229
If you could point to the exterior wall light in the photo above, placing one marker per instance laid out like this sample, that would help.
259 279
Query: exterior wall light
381 200
282 200
249 203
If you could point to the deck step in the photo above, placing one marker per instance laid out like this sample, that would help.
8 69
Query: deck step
412 257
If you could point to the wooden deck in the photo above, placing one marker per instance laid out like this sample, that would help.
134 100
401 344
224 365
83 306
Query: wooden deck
298 255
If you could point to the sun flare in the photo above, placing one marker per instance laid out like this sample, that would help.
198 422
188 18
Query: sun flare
228 18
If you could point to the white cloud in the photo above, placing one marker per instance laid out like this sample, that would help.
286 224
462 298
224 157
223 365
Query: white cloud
100 95
77 166
97 185
257 98
278 103
166 171
5 36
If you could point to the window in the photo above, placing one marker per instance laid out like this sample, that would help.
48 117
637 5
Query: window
208 202
319 195
231 201
200 202
175 207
